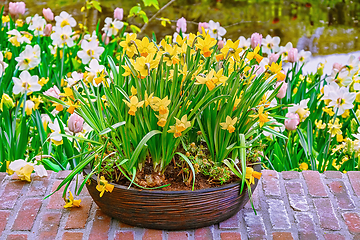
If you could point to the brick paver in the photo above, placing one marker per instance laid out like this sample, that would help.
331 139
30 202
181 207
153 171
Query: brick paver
289 205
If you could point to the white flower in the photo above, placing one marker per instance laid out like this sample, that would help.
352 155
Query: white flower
91 37
270 45
353 64
304 56
244 43
285 50
29 58
90 50
62 36
37 24
112 27
17 165
17 38
342 78
65 19
273 102
26 82
215 30
53 49
56 131
300 109
96 70
29 107
332 87
3 65
341 100
75 77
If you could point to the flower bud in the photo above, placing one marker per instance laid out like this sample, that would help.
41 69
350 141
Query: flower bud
75 123
105 38
255 40
220 44
273 58
181 25
118 13
29 107
48 14
337 66
282 91
16 8
292 121
6 101
292 55
53 92
47 29
204 25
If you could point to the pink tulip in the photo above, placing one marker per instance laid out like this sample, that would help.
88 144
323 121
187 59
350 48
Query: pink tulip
292 55
105 39
118 13
292 121
75 123
181 24
53 92
255 40
16 8
204 25
282 91
47 29
337 66
48 14
220 44
273 58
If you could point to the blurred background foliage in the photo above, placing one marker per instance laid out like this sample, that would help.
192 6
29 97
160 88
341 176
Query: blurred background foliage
321 26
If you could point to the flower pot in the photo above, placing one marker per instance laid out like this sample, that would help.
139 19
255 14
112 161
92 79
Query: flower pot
171 210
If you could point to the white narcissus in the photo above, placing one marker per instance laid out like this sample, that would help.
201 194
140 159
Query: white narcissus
62 36
215 30
29 58
17 38
244 43
341 100
37 24
26 83
24 169
3 65
112 27
285 50
304 56
90 50
270 44
65 19
301 109
97 71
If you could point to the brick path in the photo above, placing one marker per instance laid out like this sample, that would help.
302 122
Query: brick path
290 205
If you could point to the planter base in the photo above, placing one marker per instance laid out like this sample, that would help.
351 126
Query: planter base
175 210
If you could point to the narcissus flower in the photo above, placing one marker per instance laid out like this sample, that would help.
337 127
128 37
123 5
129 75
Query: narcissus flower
3 65
180 126
90 50
103 186
335 127
263 116
17 39
162 105
62 36
209 80
134 104
270 44
255 55
251 175
6 101
112 27
129 44
65 19
70 202
303 166
301 109
29 58
26 83
205 45
215 30
55 136
231 49
24 169
229 124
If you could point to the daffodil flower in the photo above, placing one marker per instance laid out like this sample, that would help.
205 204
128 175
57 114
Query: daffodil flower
254 54
162 105
134 104
103 186
208 80
251 175
263 116
24 169
71 202
229 124
205 45
180 126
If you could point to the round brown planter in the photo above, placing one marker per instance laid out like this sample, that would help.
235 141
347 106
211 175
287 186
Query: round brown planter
171 210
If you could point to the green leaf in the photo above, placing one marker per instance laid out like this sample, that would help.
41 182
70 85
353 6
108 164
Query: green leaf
134 11
135 29
142 14
109 129
190 165
149 3
96 5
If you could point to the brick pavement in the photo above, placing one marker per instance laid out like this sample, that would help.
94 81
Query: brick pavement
290 205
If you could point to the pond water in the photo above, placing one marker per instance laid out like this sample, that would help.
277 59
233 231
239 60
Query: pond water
322 26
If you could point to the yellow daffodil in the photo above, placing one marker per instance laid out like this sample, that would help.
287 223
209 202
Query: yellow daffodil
208 80
5 19
303 166
68 92
151 100
19 22
133 91
103 186
72 106
251 175
29 107
229 124
8 55
25 172
219 77
129 44
345 114
43 81
134 104
263 116
162 105
162 119
37 101
254 54
144 64
9 170
146 47
180 126
231 49
328 111
275 69
334 128
170 54
6 101
205 45
319 124
59 107
71 202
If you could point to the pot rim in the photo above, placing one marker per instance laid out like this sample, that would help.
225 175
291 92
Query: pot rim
257 167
